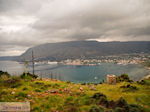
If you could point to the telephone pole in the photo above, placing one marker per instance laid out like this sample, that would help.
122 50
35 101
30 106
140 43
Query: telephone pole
32 62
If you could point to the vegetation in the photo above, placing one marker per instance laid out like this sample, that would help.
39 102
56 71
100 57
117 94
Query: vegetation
28 75
48 95
123 77
4 74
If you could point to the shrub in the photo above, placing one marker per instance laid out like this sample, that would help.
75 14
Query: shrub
21 94
135 108
121 103
25 88
28 76
98 95
3 92
111 104
118 109
123 78
96 109
38 90
129 88
12 82
4 74
15 85
39 83
36 109
144 82
103 101
71 105
72 108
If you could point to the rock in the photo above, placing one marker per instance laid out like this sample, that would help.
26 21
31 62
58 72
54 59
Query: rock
13 92
29 95
81 89
92 88
53 91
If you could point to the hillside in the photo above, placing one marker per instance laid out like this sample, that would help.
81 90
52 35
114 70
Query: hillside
49 95
86 49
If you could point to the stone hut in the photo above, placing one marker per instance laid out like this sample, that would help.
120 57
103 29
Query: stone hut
111 79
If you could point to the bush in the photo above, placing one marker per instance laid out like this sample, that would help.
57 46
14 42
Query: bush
36 109
111 104
21 94
123 78
15 85
71 105
38 90
118 109
104 102
25 88
96 109
121 103
135 108
3 92
98 95
72 108
28 76
13 82
4 75
129 88
144 82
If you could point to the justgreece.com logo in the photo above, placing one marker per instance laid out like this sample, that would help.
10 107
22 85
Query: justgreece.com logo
15 106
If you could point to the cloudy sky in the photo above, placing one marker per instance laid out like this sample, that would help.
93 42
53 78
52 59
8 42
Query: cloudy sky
26 23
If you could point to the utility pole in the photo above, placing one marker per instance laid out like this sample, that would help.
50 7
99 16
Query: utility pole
32 62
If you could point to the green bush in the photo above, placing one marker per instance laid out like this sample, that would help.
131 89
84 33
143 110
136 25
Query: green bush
25 88
98 95
121 103
28 76
123 78
36 109
13 82
119 109
104 102
96 109
38 90
4 74
71 108
135 108
21 94
129 88
144 82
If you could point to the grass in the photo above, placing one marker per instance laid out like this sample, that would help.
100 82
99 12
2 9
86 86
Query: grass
53 95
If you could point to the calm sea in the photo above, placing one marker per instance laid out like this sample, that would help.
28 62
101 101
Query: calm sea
77 73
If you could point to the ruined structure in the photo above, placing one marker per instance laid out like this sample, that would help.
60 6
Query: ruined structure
111 79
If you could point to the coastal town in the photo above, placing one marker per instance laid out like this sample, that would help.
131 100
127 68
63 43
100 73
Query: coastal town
117 59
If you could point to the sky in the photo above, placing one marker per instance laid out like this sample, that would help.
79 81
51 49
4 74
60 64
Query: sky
26 23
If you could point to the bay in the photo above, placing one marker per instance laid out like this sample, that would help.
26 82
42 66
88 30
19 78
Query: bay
77 74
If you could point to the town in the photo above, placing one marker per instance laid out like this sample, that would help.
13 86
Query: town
123 59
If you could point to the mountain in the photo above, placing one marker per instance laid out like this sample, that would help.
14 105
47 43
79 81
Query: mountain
86 49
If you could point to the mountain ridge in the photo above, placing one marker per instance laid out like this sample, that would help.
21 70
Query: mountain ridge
87 49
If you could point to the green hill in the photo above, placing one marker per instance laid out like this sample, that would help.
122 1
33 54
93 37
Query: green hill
47 95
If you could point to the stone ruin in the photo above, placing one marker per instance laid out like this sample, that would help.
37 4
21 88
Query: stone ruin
111 79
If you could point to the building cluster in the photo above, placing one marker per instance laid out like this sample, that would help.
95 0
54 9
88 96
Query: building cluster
117 59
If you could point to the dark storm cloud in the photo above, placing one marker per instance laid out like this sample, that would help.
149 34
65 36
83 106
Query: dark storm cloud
100 21
25 23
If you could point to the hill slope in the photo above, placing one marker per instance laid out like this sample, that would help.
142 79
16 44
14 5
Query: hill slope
48 95
88 49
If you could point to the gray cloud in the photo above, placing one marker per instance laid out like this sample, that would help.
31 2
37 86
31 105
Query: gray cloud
38 21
